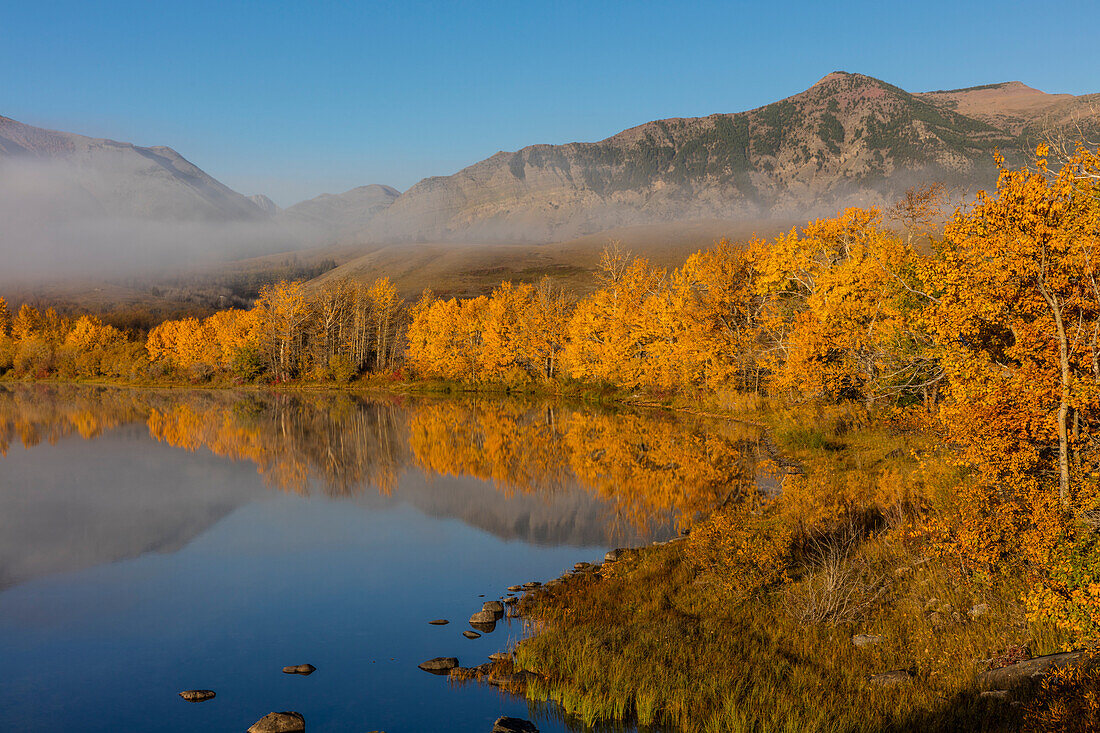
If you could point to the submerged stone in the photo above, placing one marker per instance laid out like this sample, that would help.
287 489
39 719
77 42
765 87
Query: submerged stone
439 622
471 634
513 725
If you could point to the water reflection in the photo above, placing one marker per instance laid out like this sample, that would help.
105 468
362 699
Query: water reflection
369 517
649 467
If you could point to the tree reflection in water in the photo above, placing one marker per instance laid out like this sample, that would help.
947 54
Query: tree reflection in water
649 466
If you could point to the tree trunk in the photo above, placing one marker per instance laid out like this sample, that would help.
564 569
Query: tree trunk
1063 407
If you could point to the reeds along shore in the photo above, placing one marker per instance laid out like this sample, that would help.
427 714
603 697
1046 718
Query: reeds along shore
942 382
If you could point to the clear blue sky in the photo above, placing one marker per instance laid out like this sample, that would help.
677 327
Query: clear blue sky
296 99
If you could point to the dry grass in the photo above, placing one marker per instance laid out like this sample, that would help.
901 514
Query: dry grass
665 638
842 585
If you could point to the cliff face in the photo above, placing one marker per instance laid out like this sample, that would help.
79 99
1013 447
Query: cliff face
849 138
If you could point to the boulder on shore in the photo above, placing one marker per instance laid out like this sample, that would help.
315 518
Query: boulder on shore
305 669
284 722
1021 673
197 695
514 725
439 665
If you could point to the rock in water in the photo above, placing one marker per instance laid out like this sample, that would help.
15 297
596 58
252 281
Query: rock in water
285 722
500 656
483 617
439 665
494 606
300 669
439 622
471 634
197 695
514 725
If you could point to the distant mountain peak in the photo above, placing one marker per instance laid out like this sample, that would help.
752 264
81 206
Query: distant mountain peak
104 177
849 138
266 205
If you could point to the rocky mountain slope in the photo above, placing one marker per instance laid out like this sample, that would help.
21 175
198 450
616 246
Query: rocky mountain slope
847 139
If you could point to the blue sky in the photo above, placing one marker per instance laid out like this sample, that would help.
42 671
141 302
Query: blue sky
296 99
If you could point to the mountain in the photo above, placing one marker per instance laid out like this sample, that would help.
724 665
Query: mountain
73 205
266 205
343 214
849 138
88 176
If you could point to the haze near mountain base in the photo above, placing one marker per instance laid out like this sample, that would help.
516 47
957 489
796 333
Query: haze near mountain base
73 204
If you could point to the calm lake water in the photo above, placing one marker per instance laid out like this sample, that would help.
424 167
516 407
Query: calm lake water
155 542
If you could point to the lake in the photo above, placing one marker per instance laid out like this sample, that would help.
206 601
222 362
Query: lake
158 541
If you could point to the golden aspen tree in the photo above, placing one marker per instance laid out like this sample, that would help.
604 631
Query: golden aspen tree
286 314
386 323
1020 311
844 307
609 331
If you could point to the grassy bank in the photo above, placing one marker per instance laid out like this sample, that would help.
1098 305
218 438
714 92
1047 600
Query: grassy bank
747 624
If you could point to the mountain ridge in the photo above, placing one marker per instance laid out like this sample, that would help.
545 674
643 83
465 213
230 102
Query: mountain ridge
112 178
848 138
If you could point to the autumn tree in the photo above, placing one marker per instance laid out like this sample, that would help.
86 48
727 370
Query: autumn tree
610 332
1021 311
285 314
445 337
844 312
